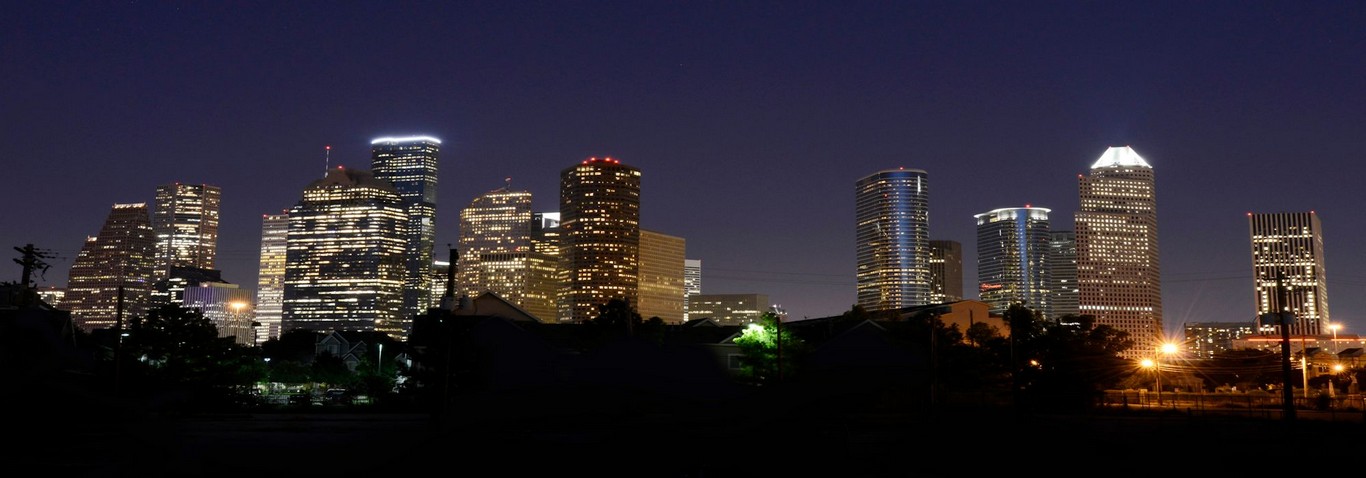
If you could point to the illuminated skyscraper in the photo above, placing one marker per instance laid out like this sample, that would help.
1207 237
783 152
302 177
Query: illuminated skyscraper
185 223
545 233
440 272
410 165
600 229
1062 271
892 239
661 276
344 264
946 272
1118 278
1287 250
692 282
1012 258
270 278
497 254
120 258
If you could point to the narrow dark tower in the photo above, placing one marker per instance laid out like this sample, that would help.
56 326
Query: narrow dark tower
450 273
448 297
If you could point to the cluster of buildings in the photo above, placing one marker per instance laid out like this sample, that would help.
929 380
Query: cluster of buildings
1105 266
357 253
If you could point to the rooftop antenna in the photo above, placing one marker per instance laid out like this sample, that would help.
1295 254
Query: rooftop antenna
507 183
327 159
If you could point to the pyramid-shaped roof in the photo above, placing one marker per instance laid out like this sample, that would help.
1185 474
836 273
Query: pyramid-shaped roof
1120 156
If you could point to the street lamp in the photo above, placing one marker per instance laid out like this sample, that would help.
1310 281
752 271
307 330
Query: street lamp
1334 328
1166 349
1152 364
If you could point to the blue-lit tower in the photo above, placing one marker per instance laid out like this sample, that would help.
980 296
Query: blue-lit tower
1013 258
893 245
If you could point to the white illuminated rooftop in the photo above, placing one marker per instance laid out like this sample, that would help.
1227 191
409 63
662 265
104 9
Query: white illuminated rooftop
1120 156
405 139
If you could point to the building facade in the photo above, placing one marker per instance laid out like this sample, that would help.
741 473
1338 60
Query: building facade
111 278
185 223
1118 274
600 233
345 257
892 239
1287 269
729 309
946 271
692 282
1062 269
661 276
228 307
410 165
1012 258
497 254
270 276
1204 340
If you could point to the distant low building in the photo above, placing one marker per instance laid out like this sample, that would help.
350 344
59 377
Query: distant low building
1206 339
728 309
962 313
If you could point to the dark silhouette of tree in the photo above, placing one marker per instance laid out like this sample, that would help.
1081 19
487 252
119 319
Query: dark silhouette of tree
616 315
1247 369
177 350
295 345
617 319
1066 363
331 372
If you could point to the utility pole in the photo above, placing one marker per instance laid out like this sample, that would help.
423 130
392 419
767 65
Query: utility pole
118 340
1283 318
33 259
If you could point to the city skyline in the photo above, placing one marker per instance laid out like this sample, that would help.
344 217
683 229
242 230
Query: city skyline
749 122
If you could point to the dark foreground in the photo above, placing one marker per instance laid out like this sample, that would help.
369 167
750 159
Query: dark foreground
753 438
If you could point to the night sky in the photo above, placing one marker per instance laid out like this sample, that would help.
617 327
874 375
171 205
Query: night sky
750 121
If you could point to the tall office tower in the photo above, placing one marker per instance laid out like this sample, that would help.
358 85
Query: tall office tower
344 260
893 246
600 233
946 272
546 241
1287 251
270 277
692 282
661 276
1012 258
497 254
171 290
227 306
1118 278
116 262
410 165
1062 269
545 233
440 269
185 223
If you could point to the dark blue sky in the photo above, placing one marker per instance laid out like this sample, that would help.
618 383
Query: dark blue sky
751 121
